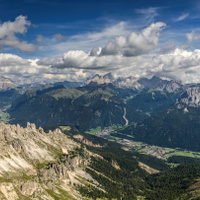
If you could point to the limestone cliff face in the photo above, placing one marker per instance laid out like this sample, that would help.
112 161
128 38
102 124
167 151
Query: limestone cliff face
191 97
131 82
6 84
98 79
85 141
39 165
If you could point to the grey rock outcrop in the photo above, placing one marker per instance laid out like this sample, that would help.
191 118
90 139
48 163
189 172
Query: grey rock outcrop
6 84
36 161
7 134
18 145
191 97
30 187
8 191
54 172
98 79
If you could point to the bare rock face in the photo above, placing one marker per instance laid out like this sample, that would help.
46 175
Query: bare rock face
7 134
85 141
98 79
51 185
34 190
33 162
41 130
8 191
191 97
55 172
18 145
30 187
6 84
77 161
31 126
115 164
134 83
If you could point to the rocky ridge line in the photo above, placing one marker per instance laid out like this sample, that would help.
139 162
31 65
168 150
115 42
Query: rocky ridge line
39 165
131 82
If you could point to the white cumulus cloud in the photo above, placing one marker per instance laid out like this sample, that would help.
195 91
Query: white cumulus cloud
135 43
8 31
179 64
86 41
122 55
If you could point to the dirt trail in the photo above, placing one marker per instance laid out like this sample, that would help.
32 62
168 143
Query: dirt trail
124 116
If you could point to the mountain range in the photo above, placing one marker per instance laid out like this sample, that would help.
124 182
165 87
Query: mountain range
176 126
104 101
101 101
139 84
61 161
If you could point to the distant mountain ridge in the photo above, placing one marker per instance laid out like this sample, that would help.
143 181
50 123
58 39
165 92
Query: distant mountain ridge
98 79
138 84
89 106
84 107
155 83
6 84
68 84
103 101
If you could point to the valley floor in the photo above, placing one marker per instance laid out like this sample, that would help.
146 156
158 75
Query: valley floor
129 144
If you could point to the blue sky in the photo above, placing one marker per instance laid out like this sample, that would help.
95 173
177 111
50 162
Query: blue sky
70 18
71 40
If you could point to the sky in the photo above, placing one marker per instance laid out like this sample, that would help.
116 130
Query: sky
49 41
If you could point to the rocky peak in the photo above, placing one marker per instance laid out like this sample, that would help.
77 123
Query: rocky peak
96 76
98 79
154 83
173 86
128 82
6 84
157 83
31 126
109 77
